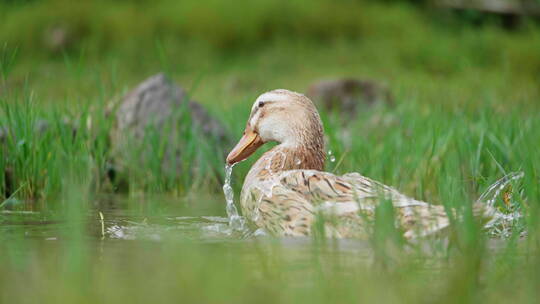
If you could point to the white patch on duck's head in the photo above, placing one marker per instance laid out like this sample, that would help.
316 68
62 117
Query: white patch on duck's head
275 95
278 116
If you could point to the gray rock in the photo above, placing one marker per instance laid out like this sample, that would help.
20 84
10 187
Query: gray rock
158 106
510 7
348 95
207 124
154 102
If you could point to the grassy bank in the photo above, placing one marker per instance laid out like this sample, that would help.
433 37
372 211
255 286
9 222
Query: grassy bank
475 124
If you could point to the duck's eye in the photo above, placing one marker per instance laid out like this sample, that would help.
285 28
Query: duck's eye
261 104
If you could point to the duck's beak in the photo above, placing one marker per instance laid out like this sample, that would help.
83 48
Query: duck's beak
248 144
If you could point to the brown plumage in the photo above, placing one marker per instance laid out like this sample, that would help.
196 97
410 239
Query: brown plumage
286 191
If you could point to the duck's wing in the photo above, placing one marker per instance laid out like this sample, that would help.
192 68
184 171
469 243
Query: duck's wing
353 194
321 187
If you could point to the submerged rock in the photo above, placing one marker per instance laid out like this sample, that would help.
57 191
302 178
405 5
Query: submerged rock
348 95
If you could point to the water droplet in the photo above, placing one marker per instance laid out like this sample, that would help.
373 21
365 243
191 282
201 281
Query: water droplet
332 158
298 161
329 152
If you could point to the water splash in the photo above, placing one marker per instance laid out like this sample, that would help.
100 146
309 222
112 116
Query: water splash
490 195
501 225
236 222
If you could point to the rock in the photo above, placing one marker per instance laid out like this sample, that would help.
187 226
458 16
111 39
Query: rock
159 105
57 38
153 103
509 7
348 95
207 124
510 14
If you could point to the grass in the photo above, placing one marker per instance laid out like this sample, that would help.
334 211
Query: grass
466 114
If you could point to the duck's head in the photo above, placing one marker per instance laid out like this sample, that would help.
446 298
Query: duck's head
285 117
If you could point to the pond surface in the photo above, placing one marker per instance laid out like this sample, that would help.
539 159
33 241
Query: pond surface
120 217
200 218
150 219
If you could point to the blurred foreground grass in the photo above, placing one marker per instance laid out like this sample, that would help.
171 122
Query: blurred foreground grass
467 112
262 272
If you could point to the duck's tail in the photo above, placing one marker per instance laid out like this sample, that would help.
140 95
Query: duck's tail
499 223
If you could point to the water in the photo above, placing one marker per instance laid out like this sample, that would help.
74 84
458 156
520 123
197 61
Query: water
152 217
117 250
492 193
236 222
331 156
502 224
167 217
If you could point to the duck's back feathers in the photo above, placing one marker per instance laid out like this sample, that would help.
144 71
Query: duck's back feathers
290 202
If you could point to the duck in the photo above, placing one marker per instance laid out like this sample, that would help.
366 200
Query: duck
287 192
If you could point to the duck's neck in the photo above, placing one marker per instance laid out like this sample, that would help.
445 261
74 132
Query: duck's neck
283 157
